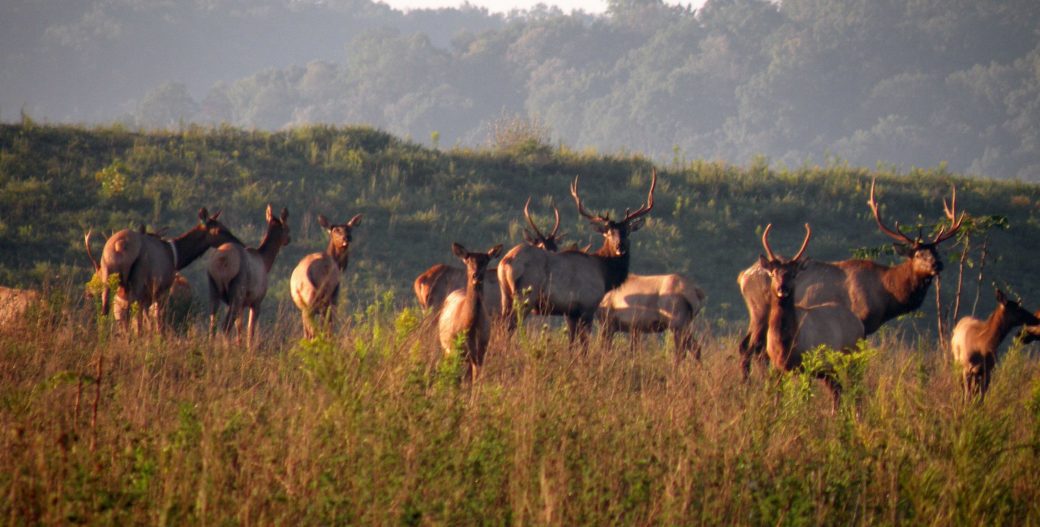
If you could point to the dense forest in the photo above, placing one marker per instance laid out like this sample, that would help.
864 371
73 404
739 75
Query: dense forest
902 83
56 182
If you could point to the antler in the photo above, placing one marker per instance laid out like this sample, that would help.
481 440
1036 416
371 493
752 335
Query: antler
527 216
581 208
86 242
951 214
894 233
769 250
556 213
649 200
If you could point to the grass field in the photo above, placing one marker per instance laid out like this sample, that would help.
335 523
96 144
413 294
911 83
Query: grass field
368 426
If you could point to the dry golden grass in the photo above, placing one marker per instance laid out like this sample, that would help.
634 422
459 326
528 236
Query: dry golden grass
370 427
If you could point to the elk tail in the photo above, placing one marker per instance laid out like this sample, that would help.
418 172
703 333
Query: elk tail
86 242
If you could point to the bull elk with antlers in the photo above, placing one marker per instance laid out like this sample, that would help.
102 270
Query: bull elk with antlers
147 263
572 282
238 275
794 329
975 342
655 303
875 293
314 284
434 285
464 311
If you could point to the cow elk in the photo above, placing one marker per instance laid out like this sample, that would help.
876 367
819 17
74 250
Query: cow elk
464 312
238 276
434 285
572 282
314 285
793 330
975 342
147 265
875 293
655 303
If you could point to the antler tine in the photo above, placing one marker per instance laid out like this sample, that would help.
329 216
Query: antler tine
951 214
872 203
527 214
581 208
765 243
805 244
556 213
649 199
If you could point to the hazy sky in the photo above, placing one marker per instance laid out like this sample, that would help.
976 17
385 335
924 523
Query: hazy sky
504 6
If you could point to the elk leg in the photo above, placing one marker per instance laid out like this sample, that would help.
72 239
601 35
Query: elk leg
254 315
834 388
214 306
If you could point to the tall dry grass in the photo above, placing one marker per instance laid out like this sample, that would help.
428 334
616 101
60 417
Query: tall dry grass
369 426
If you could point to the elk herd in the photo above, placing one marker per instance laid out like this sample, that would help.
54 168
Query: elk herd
794 305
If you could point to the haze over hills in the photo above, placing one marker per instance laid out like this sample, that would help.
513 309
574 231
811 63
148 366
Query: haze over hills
893 82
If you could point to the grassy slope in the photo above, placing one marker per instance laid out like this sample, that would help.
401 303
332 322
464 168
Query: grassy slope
56 182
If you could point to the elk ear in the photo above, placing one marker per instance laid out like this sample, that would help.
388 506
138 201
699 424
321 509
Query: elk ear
636 224
494 251
268 213
763 262
903 249
458 250
802 264
203 215
1001 298
354 222
285 215
323 221
600 228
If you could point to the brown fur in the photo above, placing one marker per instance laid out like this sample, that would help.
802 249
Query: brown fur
975 342
875 293
434 286
146 263
238 275
655 303
464 311
314 284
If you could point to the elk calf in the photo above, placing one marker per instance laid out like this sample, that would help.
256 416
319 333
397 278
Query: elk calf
464 311
238 276
975 342
793 329
656 304
314 284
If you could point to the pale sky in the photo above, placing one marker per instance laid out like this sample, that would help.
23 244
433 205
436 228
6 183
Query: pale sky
504 6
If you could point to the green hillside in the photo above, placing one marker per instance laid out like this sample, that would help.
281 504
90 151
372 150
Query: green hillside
58 181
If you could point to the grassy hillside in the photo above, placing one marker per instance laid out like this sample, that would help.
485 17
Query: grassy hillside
56 182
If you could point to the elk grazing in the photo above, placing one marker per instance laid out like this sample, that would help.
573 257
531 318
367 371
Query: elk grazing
794 329
975 342
464 311
314 285
436 283
147 263
656 304
572 282
238 275
875 293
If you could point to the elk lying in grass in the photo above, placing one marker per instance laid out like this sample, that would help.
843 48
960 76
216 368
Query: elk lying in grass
975 342
238 275
464 312
147 264
656 304
314 284
572 283
794 329
875 293
439 281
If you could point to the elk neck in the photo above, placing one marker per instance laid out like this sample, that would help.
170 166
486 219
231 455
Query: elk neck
340 254
783 325
998 325
907 288
615 268
189 246
268 249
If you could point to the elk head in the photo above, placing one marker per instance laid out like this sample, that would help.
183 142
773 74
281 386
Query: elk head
923 254
782 272
476 263
615 233
339 235
1014 313
278 228
535 238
